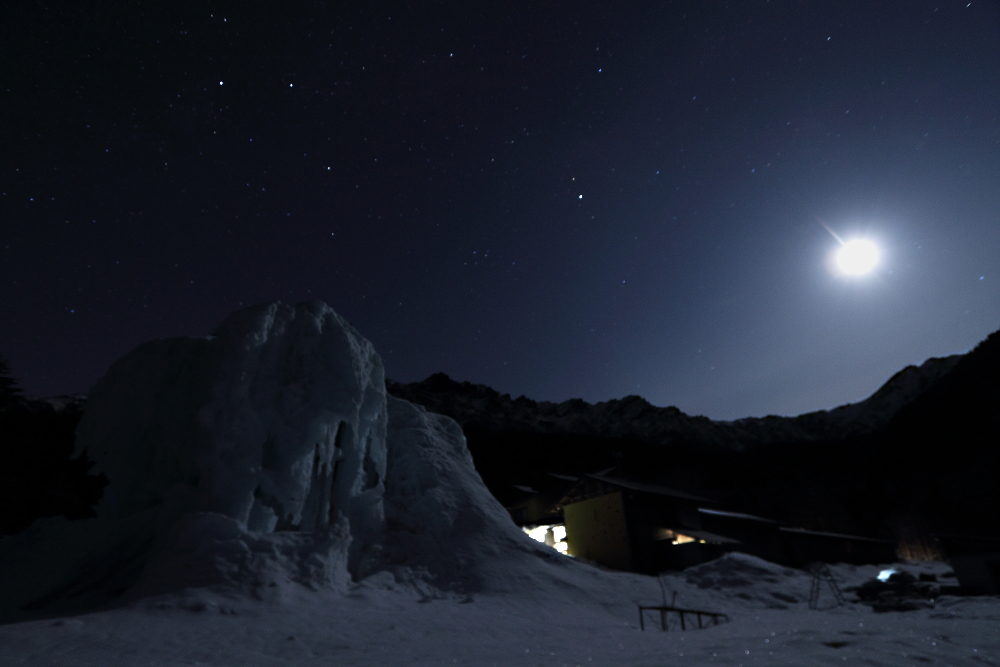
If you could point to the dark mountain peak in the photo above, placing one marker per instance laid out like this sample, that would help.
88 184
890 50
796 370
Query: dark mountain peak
442 382
481 408
962 404
981 364
630 402
874 412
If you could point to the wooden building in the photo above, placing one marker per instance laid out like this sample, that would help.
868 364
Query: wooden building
641 527
797 547
633 525
756 535
537 502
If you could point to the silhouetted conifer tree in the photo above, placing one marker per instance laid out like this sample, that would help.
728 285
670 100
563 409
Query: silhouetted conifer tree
10 393
38 475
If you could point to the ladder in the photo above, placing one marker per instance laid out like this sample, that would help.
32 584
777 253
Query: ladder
821 572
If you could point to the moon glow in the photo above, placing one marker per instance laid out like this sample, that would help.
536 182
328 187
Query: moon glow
857 257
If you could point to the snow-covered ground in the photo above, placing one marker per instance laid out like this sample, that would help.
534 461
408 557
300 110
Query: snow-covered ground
587 617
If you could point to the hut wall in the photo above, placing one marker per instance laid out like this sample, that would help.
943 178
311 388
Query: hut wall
596 530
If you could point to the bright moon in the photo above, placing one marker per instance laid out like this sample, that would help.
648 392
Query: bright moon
857 257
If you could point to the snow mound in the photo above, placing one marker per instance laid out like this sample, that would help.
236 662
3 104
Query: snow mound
752 580
277 422
440 517
737 570
253 455
265 454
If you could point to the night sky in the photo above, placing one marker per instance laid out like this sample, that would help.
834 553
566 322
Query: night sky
555 199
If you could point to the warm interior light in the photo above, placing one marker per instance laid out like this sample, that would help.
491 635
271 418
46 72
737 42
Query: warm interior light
536 533
553 536
673 536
